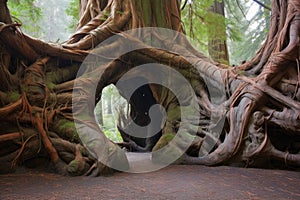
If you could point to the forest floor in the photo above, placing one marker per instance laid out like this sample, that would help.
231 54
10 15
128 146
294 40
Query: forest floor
172 182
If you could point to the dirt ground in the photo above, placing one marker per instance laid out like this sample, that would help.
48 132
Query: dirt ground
172 182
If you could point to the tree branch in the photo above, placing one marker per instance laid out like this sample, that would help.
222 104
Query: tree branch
262 4
184 4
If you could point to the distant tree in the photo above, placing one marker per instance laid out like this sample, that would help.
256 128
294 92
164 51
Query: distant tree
45 19
207 25
253 26
73 10
28 13
217 37
197 19
54 24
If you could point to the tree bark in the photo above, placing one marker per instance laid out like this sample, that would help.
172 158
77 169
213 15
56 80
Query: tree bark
217 48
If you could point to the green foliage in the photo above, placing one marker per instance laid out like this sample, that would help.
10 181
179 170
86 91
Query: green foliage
46 20
244 36
201 24
73 11
108 110
27 13
194 18
252 23
113 134
109 128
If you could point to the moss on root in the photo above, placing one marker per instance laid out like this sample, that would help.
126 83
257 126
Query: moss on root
163 141
77 167
67 129
13 96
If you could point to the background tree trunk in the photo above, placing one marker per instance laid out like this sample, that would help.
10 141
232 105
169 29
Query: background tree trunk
217 48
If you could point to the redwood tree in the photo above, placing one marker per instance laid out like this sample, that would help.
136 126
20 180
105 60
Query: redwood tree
217 48
260 111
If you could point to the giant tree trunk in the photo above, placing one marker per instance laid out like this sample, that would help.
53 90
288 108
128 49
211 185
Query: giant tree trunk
48 98
217 48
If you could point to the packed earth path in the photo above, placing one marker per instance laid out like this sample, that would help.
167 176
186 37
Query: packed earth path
172 182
